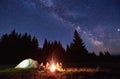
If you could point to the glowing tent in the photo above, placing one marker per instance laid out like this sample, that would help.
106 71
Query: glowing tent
28 63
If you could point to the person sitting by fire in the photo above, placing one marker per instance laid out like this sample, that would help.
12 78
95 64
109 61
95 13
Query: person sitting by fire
47 66
41 67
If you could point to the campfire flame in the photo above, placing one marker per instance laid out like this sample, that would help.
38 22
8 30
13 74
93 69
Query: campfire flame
55 67
52 67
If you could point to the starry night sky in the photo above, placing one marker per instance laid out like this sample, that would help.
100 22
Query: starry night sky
97 21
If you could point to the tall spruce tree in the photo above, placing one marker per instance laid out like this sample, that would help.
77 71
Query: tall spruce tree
77 45
77 49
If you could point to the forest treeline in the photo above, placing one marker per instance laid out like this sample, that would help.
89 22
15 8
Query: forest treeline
15 47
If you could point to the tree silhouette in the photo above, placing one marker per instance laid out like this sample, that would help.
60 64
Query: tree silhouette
52 50
77 49
101 54
17 47
107 54
58 51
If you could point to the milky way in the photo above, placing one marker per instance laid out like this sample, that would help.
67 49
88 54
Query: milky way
97 21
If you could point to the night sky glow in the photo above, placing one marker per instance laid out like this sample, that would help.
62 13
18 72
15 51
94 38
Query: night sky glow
97 21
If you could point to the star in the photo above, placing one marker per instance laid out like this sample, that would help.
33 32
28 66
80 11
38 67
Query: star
118 29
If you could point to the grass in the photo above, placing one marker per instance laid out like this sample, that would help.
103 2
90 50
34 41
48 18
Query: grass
69 73
11 70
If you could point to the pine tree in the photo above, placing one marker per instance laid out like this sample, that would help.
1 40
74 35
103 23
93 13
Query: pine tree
77 48
78 45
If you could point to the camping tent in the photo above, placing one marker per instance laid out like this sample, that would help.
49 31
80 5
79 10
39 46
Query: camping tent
28 63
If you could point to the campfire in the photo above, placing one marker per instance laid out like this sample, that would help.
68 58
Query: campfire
53 67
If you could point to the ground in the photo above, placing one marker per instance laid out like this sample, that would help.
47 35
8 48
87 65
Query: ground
69 73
